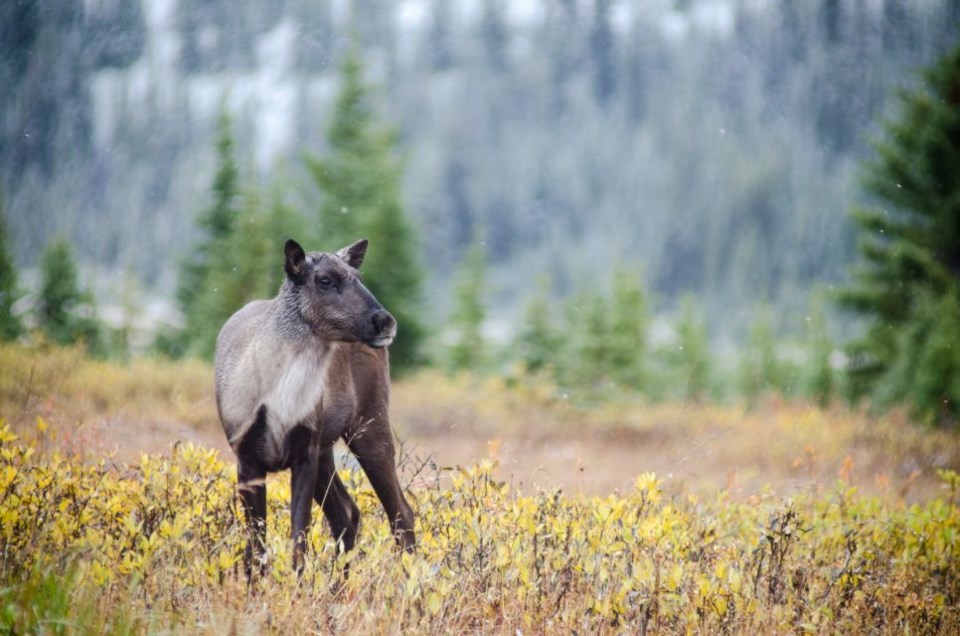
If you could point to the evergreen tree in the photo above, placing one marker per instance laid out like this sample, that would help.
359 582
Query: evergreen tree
65 313
60 294
627 324
538 343
216 224
760 370
820 381
282 221
926 371
346 184
907 278
590 356
468 352
693 351
241 269
10 325
359 180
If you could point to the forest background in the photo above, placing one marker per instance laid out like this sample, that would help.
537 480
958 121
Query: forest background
674 176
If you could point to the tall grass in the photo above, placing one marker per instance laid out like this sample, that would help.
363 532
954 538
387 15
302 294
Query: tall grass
156 546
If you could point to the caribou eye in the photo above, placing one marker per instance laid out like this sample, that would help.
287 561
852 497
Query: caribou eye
325 281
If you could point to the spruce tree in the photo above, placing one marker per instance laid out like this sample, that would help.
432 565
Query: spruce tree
282 221
468 352
196 293
906 280
538 342
240 269
820 380
60 294
760 370
64 311
10 324
693 351
587 318
359 182
628 324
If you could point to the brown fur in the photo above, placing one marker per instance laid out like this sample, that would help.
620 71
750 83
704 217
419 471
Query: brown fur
297 373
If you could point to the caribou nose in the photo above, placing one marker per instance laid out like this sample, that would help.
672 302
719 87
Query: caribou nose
383 323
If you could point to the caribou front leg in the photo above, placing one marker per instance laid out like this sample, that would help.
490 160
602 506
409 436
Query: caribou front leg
305 454
251 482
374 449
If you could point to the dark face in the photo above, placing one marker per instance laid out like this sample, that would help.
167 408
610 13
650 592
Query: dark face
333 299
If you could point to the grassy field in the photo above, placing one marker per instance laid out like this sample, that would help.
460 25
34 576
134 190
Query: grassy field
535 515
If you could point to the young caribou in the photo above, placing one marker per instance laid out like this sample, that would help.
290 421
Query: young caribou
296 373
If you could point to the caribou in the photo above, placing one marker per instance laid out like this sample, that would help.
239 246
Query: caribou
293 375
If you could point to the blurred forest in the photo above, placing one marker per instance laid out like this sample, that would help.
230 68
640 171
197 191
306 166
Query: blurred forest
709 147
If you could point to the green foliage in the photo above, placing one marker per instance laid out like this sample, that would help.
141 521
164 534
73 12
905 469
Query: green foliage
607 337
760 369
199 301
910 252
628 324
691 358
587 363
468 352
539 342
359 181
237 274
239 259
50 601
282 221
820 383
10 324
66 313
926 372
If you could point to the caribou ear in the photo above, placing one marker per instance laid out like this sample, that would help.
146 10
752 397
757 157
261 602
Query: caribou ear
353 254
296 261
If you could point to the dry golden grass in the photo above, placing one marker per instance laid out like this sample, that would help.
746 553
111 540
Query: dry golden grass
539 438
143 405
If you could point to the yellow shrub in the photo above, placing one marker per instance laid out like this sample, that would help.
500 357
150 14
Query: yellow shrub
162 538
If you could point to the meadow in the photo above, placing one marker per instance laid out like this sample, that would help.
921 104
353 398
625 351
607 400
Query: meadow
536 514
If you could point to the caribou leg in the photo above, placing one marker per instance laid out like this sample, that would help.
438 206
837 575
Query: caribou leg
374 449
303 478
341 512
252 484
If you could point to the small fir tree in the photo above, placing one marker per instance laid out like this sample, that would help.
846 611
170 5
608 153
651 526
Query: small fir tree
820 380
627 326
539 344
693 351
468 352
282 221
237 272
11 327
591 349
195 292
65 313
909 268
760 370
359 181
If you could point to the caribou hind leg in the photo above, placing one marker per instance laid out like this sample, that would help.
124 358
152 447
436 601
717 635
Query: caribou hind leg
341 512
